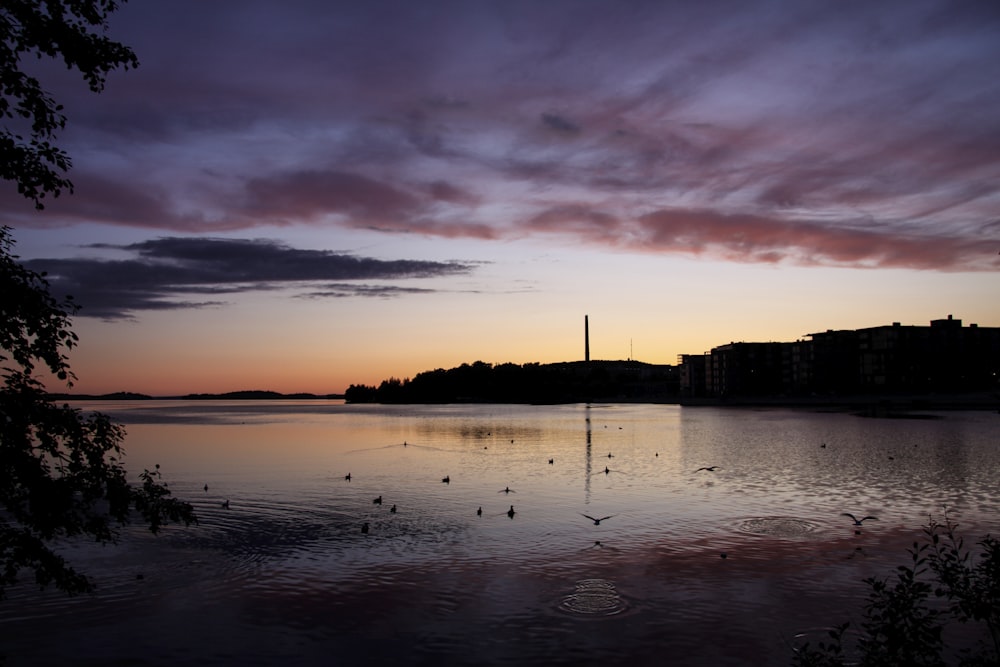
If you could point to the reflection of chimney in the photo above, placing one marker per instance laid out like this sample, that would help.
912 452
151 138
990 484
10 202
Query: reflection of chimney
586 338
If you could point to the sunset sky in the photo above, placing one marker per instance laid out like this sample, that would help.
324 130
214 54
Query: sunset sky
302 195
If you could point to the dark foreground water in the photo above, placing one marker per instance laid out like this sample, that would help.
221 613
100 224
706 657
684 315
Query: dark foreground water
286 576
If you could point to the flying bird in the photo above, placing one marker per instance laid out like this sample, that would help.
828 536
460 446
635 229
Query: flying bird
708 468
857 521
507 490
597 522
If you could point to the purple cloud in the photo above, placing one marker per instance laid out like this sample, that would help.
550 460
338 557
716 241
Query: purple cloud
847 135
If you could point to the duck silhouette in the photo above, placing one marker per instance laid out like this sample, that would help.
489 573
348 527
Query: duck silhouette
511 512
378 501
225 504
393 509
446 480
364 528
597 522
479 512
348 477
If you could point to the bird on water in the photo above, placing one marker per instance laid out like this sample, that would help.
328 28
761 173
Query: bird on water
378 501
348 477
857 521
446 480
364 528
393 509
511 512
479 512
597 522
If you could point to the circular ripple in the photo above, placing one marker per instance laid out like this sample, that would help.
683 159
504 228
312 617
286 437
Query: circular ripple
594 598
778 526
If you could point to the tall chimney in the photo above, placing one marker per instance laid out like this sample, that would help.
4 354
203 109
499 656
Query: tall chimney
586 338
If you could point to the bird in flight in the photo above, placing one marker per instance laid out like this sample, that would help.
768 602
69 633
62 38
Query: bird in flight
708 468
507 490
857 521
597 522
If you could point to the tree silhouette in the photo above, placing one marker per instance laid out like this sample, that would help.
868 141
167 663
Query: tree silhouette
61 471
68 31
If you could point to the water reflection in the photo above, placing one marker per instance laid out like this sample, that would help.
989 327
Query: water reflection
707 567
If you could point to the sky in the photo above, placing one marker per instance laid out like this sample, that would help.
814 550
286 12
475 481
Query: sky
305 195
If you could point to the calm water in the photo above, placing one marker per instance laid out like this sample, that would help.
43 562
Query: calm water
286 576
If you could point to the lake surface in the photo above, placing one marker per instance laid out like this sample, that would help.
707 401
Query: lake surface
285 575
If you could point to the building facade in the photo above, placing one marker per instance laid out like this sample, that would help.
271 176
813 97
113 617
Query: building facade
944 357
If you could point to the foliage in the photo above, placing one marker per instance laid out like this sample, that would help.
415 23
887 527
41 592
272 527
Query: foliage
73 33
481 382
61 471
902 628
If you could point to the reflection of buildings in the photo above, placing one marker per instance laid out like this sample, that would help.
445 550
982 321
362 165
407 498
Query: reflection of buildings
943 357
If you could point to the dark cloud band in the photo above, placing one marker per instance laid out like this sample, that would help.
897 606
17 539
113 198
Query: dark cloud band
165 273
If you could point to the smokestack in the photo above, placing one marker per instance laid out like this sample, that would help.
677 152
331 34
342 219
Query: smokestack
586 338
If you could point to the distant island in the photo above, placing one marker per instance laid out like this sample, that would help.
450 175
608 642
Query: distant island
249 395
564 382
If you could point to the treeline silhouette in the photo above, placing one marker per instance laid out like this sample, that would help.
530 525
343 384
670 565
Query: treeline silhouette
568 382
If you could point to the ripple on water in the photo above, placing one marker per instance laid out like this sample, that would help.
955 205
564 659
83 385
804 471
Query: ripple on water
779 526
594 598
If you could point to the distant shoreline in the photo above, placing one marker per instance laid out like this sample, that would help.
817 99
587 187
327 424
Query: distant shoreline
252 395
872 405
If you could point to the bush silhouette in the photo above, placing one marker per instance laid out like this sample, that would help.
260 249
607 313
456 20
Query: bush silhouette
901 627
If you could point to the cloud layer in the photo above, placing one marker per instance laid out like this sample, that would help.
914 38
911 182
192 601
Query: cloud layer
847 134
177 273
